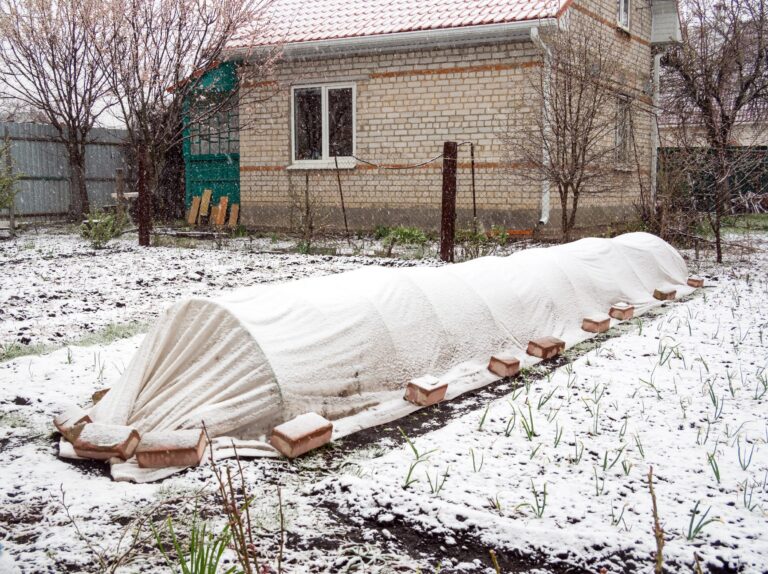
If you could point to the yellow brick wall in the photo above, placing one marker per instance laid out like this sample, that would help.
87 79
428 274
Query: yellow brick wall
407 105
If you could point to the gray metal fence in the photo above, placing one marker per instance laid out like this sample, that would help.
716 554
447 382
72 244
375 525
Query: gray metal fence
43 190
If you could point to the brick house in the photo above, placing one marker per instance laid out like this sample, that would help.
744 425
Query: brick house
388 81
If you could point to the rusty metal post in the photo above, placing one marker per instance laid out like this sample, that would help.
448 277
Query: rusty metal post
341 195
145 201
120 192
9 170
448 218
474 195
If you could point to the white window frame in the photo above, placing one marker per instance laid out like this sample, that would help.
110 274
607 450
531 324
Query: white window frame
327 161
620 15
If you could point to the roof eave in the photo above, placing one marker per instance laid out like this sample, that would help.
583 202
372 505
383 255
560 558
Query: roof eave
400 41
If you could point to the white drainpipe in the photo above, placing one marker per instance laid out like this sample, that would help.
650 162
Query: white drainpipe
545 186
655 128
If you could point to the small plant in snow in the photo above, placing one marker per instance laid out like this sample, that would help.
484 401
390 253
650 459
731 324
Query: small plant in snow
495 503
544 398
623 429
744 459
711 458
510 426
748 492
696 527
578 448
599 483
639 445
609 464
482 419
617 520
202 553
419 457
558 434
477 466
436 486
539 503
527 423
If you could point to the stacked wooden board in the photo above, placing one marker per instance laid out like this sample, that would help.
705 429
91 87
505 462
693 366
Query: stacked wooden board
203 212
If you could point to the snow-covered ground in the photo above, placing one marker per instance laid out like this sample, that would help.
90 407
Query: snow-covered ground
684 391
57 289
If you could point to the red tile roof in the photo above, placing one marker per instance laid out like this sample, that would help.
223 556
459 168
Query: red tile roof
295 21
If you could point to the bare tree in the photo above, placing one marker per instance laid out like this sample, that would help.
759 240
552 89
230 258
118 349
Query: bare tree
584 130
715 89
49 63
155 54
12 110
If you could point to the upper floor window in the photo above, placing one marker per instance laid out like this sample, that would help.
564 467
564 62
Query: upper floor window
323 124
623 13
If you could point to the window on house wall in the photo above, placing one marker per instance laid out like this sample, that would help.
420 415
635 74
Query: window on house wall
623 131
323 123
623 13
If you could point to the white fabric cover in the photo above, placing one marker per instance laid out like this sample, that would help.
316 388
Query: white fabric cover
346 345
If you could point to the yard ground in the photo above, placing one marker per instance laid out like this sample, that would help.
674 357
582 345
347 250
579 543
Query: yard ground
683 390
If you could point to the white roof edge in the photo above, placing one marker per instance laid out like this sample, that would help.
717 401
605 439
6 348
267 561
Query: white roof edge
398 41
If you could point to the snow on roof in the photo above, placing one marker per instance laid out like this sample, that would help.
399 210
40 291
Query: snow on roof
296 21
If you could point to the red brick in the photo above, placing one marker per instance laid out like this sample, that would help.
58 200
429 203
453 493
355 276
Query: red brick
695 282
599 324
98 395
425 391
622 311
504 367
664 294
161 449
70 422
102 442
546 347
301 434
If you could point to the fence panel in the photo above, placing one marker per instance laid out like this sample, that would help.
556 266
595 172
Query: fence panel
43 190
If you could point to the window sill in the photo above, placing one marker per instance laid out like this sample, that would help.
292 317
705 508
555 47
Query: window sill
623 168
623 29
344 163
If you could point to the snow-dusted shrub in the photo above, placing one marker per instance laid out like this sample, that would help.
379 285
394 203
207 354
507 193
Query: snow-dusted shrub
101 228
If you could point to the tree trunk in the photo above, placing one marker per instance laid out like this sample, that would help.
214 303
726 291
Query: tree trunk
574 207
144 207
722 202
79 205
564 216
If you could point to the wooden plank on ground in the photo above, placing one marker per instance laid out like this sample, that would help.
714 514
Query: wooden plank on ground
205 203
212 216
194 210
233 215
221 211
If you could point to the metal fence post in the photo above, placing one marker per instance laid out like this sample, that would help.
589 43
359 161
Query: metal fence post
9 169
448 217
120 192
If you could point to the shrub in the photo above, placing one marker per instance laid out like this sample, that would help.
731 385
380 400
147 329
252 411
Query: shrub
403 235
101 228
7 179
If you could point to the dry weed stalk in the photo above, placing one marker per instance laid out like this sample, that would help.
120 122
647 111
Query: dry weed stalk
658 531
239 517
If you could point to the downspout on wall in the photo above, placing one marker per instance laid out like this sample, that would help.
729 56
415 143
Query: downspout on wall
655 128
545 185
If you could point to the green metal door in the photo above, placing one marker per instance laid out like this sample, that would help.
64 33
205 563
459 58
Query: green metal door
212 140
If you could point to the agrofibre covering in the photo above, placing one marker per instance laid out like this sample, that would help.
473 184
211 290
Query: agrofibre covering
346 345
